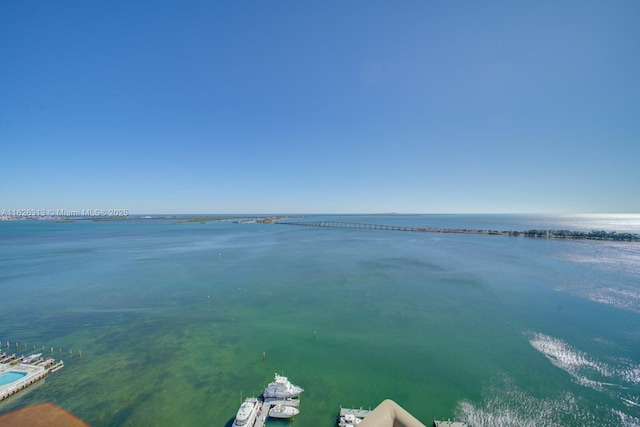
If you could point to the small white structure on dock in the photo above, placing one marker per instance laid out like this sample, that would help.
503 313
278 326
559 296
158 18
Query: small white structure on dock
352 416
360 413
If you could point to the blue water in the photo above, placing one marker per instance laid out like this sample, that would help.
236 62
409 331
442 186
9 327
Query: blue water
11 376
172 319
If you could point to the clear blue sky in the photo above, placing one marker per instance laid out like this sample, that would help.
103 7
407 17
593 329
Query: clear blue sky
326 106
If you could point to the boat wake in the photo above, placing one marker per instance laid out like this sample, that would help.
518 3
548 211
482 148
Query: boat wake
584 369
623 261
507 405
628 299
510 407
574 362
618 379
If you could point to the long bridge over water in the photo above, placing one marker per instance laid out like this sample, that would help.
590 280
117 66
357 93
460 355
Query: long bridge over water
367 226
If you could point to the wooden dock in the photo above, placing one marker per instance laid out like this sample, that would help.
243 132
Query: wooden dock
5 358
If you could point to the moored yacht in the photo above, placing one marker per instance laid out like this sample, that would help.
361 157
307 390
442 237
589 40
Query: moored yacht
246 415
283 411
281 388
31 358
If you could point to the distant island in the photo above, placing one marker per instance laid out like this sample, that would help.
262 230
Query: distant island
568 234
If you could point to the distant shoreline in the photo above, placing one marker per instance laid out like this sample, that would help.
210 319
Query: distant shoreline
600 235
177 218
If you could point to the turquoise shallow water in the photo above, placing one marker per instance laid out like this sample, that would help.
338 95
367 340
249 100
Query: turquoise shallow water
172 319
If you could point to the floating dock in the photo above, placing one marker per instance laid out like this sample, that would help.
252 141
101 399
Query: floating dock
349 416
358 413
27 373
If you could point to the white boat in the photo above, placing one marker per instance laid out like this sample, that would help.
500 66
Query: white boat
281 388
247 413
349 420
283 411
30 359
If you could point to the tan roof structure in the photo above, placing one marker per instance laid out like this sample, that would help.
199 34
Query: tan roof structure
390 414
41 415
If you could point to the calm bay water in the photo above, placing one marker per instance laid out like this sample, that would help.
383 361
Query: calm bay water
172 319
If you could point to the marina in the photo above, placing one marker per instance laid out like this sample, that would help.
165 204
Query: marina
18 373
254 412
280 400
